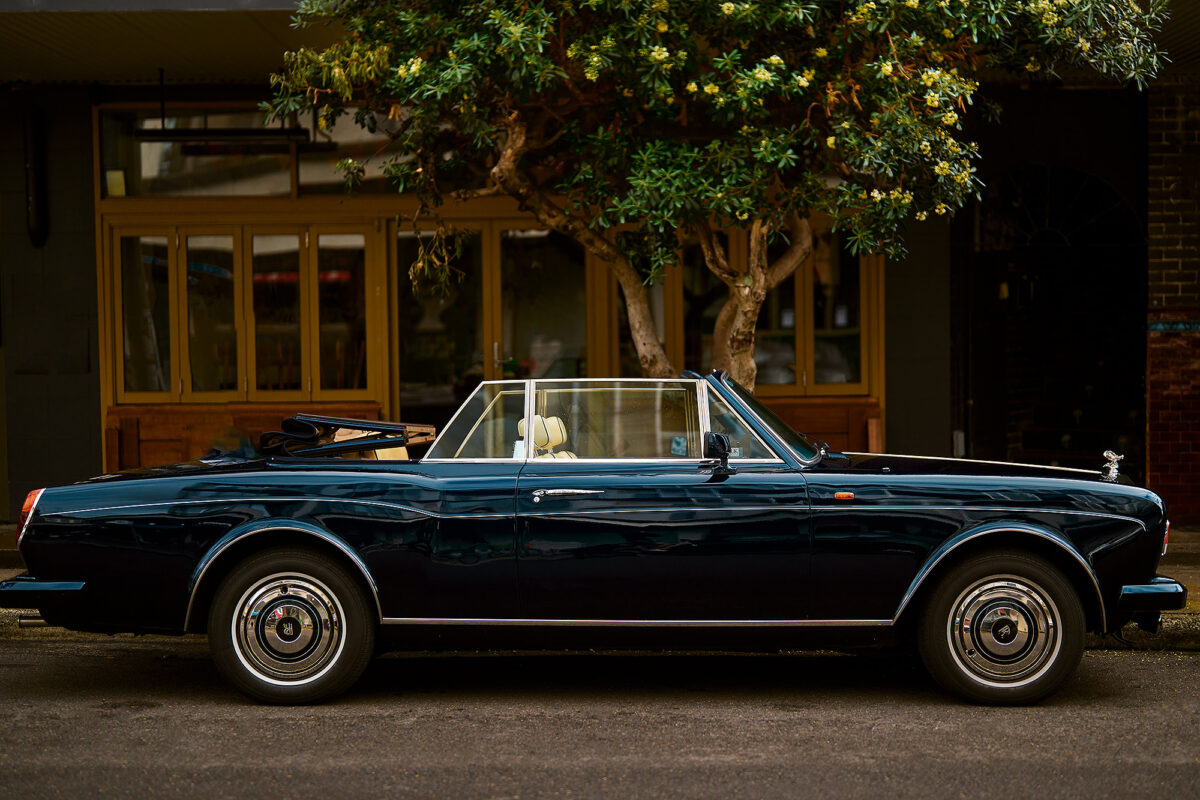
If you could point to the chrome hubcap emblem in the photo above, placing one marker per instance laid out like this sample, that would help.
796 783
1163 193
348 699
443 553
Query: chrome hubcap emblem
288 629
1004 630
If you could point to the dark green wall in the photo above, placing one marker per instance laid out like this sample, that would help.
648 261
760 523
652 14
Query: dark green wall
48 297
917 343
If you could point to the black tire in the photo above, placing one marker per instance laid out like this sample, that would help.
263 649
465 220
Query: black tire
290 626
1002 628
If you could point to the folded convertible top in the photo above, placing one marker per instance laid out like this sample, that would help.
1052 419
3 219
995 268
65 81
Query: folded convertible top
313 435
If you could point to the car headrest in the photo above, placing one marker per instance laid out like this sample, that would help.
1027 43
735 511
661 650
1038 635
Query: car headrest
547 431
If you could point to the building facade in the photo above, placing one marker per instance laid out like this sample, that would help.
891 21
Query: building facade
179 276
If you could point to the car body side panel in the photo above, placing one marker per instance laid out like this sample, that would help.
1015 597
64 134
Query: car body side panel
438 539
670 542
883 529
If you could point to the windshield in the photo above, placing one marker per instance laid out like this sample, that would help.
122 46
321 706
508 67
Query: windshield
804 448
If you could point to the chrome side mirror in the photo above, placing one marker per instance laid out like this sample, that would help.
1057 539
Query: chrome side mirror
717 448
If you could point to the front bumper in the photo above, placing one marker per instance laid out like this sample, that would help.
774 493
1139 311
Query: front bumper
25 591
1161 594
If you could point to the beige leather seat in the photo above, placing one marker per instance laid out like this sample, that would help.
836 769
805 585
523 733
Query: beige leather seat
548 433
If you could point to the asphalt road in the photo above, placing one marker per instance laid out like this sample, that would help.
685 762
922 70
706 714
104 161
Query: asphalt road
126 717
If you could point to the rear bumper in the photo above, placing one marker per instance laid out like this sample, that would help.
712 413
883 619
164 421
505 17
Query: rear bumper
1161 594
25 591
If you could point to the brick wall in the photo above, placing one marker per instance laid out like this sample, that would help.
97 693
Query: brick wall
1173 337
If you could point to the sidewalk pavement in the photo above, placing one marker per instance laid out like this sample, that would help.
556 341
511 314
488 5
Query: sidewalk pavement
1180 631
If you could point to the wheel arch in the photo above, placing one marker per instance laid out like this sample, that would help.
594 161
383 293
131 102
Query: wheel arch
243 542
1043 542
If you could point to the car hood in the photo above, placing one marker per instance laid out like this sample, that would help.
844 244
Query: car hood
929 465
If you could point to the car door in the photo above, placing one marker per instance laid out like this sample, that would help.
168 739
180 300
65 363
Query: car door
458 560
637 526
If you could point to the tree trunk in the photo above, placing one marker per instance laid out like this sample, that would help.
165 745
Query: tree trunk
651 355
733 334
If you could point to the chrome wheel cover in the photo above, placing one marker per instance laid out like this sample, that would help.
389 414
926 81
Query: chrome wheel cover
288 629
1004 631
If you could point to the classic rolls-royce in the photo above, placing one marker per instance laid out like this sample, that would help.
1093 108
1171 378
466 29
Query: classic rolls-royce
612 510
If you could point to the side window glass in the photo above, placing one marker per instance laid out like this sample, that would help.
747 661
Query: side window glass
616 420
489 425
744 443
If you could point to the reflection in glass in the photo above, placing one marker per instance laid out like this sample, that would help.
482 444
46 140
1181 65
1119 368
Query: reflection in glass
544 291
743 441
212 335
275 263
146 313
440 340
775 335
488 426
342 310
837 339
135 167
602 419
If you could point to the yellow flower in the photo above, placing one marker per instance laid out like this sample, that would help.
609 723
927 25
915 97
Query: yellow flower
886 68
912 3
949 118
921 215
942 168
831 142
941 209
946 32
763 74
728 8
659 53
743 215
1084 44
876 195
775 61
711 88
925 147
963 178
692 87
662 27
821 52
932 100
1033 65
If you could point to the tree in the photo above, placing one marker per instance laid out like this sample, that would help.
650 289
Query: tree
631 124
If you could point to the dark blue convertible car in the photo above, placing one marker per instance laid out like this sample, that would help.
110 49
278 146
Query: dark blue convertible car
635 511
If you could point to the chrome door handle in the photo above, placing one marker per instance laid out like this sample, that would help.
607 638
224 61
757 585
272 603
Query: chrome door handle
538 494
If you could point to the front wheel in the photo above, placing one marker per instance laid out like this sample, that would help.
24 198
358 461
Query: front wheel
1003 627
290 626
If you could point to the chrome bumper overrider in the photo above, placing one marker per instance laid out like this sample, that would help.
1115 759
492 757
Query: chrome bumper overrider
25 591
1161 594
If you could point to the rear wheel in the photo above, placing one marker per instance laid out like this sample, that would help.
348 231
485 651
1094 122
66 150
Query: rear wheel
290 626
1003 627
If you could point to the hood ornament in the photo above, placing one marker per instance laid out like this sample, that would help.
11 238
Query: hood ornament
1109 471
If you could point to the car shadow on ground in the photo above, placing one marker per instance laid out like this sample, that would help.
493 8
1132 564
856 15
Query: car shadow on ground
179 671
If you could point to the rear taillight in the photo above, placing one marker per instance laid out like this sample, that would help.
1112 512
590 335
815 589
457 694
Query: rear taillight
1166 536
31 501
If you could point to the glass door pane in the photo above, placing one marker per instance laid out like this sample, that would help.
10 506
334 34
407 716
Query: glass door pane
703 296
543 295
440 344
342 310
836 318
212 329
146 313
275 299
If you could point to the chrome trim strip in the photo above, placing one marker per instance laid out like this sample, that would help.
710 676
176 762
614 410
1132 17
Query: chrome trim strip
990 509
226 501
929 566
213 555
642 623
732 509
424 512
978 461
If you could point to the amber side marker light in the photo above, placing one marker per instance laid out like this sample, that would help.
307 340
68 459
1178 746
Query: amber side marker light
31 501
843 495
